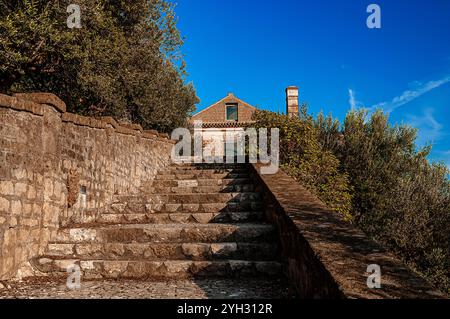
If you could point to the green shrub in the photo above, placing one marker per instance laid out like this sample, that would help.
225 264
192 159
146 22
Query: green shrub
400 198
303 158
373 174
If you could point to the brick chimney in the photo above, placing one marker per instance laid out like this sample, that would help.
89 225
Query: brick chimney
292 101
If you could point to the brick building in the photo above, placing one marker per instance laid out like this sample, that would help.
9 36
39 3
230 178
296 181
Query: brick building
227 118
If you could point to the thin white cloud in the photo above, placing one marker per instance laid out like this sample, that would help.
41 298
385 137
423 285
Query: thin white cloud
410 95
430 130
352 100
354 103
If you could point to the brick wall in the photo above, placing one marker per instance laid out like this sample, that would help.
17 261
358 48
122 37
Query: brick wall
47 155
217 112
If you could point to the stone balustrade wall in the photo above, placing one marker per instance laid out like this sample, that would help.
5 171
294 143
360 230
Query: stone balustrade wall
55 166
325 257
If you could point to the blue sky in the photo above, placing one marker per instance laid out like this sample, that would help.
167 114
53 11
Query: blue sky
256 48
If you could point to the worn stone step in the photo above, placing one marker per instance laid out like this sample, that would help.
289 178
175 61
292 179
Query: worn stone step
205 166
200 198
98 269
155 252
198 182
137 206
200 175
202 172
170 218
169 233
244 188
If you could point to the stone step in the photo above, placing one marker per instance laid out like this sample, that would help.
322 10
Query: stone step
171 269
204 198
169 233
202 172
244 188
170 218
200 175
137 206
198 182
205 166
158 252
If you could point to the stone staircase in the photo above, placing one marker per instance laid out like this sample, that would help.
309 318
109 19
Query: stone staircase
192 221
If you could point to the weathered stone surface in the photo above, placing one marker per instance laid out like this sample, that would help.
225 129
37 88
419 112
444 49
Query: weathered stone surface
16 207
91 250
123 219
73 187
61 249
173 269
202 218
201 182
177 234
20 189
326 257
188 183
168 233
227 288
195 252
200 189
20 104
42 146
110 269
223 249
43 98
191 176
63 265
6 188
171 218
4 205
164 251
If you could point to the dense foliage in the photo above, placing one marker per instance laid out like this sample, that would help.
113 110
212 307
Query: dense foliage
305 159
397 196
124 61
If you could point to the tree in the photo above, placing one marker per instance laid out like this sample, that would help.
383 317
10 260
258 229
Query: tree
374 175
304 158
125 61
400 198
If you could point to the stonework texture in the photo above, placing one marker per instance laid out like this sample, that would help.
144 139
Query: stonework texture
103 196
165 289
325 257
187 231
47 156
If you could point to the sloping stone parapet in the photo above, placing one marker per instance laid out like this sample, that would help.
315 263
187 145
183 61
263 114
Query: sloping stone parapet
326 257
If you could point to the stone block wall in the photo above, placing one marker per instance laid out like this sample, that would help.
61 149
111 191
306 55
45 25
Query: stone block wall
56 166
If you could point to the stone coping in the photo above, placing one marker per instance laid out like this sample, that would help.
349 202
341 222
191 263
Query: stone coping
343 250
36 102
21 105
43 98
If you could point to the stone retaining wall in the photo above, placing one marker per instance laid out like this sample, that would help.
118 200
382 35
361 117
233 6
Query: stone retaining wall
326 257
50 158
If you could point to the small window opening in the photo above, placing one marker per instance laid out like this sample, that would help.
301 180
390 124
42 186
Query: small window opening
232 112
